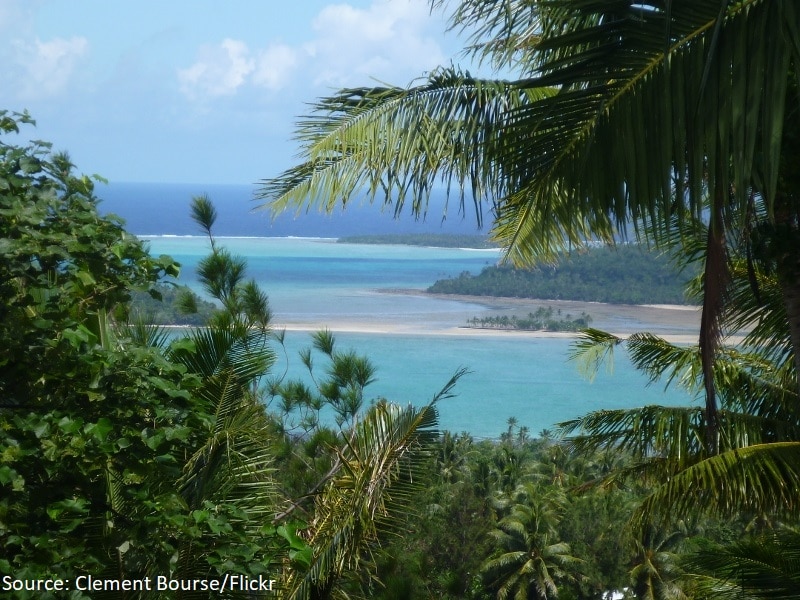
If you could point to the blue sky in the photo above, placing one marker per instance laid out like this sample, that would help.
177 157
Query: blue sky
200 91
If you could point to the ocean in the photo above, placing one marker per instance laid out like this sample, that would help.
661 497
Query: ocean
311 278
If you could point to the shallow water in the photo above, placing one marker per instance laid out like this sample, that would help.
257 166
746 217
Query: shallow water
511 376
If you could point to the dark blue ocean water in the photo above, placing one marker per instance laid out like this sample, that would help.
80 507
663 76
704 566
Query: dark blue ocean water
312 280
158 209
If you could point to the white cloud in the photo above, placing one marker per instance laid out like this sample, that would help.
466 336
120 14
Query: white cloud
16 16
390 40
275 66
385 41
48 66
219 71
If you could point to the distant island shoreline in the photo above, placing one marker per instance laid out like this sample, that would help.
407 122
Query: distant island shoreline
624 319
678 323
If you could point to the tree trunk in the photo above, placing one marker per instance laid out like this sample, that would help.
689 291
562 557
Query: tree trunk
715 282
791 300
787 257
786 210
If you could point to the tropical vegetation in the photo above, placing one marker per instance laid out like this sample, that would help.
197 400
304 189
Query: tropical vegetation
128 454
626 274
543 319
161 304
131 455
661 119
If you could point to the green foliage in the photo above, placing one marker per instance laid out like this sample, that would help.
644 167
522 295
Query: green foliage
222 277
471 487
171 305
370 486
703 94
91 436
762 566
541 320
626 274
531 561
120 459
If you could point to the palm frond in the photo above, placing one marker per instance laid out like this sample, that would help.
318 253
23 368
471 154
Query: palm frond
648 97
647 432
142 332
216 349
763 317
648 93
747 382
401 144
229 479
235 455
378 469
757 479
663 441
765 567
502 33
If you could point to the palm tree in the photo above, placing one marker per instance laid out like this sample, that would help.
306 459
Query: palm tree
376 470
758 422
656 573
530 561
764 567
623 112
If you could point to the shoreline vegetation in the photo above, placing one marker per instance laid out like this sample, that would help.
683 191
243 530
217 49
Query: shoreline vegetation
543 319
430 240
162 306
625 274
617 289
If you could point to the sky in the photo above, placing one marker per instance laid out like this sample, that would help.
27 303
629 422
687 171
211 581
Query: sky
201 91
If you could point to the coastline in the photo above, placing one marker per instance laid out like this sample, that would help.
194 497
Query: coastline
676 323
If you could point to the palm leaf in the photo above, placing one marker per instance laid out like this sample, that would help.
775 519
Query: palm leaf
216 349
759 567
401 144
648 97
758 406
747 381
717 90
757 479
503 33
140 330
378 470
763 316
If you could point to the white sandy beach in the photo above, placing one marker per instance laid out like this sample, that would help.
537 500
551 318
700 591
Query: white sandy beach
676 323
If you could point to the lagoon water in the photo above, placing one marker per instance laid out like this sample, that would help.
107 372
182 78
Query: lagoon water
314 279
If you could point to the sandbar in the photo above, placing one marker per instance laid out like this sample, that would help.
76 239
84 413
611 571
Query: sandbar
676 323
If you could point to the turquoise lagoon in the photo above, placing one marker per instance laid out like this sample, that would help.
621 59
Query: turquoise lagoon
320 281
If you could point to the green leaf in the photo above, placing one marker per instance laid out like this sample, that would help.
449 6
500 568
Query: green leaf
7 475
200 516
79 335
86 278
100 429
69 425
30 165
